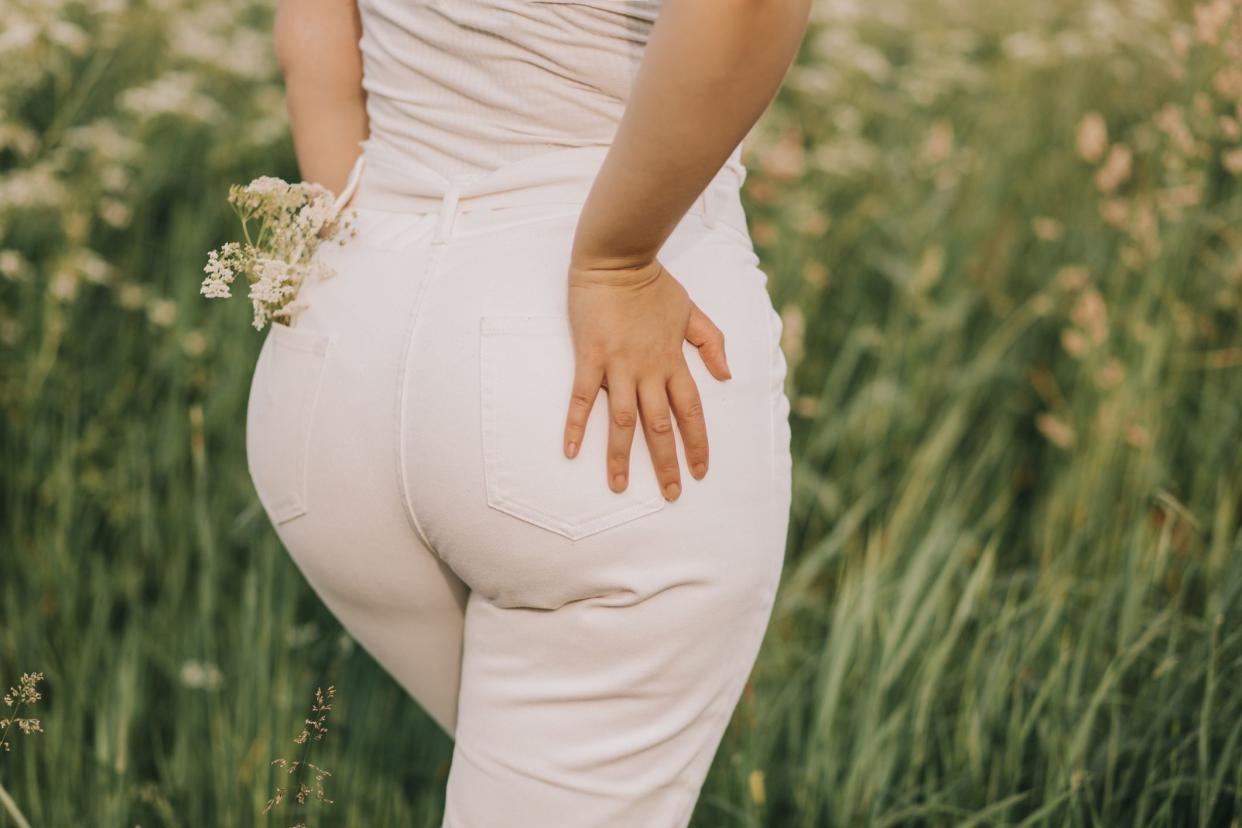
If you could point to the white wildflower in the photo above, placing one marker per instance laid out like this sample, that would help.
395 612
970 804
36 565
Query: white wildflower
1092 137
114 212
18 137
275 282
201 676
280 254
91 266
170 94
64 284
12 265
314 215
18 34
210 35
267 185
68 36
162 312
194 343
221 269
105 139
36 186
131 296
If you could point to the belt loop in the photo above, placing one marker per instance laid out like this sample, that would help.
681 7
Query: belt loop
449 204
351 184
448 213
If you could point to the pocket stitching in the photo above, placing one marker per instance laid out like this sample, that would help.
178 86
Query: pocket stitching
298 339
294 504
494 470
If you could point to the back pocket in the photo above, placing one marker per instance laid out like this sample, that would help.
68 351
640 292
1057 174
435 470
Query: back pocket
526 374
284 394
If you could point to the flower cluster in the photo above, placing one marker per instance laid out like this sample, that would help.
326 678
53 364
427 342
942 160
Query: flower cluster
314 733
283 225
24 695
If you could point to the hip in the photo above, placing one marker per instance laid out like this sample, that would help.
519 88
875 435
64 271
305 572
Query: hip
441 370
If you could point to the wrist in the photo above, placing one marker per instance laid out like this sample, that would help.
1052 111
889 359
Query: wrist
614 273
606 248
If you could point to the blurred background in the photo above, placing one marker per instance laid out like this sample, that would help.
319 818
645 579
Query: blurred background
1005 240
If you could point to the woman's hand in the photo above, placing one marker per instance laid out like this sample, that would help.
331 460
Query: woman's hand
628 327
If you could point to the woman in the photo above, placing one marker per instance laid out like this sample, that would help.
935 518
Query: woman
547 204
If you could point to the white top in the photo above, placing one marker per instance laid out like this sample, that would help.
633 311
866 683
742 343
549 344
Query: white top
465 86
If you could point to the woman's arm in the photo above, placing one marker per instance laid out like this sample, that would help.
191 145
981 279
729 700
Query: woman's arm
710 69
317 46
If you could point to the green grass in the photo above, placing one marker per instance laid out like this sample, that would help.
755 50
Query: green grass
1014 578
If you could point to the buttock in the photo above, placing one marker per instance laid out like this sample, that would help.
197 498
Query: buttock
459 356
485 395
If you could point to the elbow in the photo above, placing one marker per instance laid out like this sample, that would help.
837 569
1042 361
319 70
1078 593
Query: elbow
284 34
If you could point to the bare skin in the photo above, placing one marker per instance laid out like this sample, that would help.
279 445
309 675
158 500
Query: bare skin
710 69
317 46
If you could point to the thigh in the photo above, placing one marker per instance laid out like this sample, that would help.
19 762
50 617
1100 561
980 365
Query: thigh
611 707
322 451
396 599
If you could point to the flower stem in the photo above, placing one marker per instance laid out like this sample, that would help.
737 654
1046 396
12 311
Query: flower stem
11 807
12 718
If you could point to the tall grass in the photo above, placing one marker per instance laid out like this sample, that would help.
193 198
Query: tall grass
1005 240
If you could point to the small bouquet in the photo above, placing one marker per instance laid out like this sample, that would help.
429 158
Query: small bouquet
278 253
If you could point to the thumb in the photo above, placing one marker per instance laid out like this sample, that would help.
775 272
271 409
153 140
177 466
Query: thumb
709 339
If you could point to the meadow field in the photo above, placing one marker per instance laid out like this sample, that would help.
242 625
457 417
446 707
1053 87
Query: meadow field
1006 243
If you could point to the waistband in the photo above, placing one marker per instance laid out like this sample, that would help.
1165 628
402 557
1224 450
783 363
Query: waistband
384 179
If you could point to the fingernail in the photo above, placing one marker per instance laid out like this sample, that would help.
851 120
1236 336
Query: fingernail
700 469
618 482
573 449
671 491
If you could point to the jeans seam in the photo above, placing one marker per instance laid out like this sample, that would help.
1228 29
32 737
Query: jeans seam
433 264
773 342
505 494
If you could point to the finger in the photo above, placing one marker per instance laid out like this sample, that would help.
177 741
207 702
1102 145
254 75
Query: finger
658 429
683 394
622 416
709 339
587 379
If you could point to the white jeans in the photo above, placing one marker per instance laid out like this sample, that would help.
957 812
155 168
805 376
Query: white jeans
585 649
